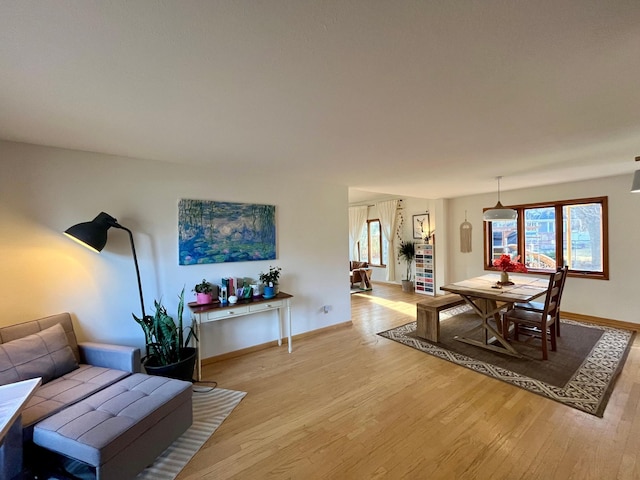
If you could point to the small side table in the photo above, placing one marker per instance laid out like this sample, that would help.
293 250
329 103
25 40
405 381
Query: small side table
13 398
365 278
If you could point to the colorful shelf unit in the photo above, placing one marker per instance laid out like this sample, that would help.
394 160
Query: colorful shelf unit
425 274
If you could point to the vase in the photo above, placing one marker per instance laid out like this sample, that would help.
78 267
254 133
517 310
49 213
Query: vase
504 277
202 298
269 292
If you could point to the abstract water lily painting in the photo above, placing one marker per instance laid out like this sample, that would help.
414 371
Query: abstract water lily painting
219 232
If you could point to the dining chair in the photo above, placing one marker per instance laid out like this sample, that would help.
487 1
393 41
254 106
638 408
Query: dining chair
539 306
537 324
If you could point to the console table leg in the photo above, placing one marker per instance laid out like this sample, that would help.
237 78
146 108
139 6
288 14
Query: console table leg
198 352
289 324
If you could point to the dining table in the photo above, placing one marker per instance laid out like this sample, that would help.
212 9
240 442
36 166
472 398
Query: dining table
488 298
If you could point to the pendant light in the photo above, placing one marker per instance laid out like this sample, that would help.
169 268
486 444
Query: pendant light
499 212
635 187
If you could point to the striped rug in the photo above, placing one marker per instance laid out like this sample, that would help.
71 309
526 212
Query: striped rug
210 408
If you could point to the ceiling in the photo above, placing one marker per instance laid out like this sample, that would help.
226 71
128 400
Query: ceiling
418 98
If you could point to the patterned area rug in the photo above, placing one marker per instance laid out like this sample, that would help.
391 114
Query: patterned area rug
210 409
581 374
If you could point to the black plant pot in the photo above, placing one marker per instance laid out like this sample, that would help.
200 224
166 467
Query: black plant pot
182 370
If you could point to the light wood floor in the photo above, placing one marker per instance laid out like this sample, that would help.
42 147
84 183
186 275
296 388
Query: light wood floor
348 404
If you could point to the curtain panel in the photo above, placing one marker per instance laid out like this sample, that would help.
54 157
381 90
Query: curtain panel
388 212
357 224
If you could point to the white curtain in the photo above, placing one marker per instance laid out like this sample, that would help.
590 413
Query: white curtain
357 224
388 212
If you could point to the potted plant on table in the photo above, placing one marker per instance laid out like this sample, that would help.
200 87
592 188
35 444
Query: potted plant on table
204 292
407 252
270 281
506 265
168 353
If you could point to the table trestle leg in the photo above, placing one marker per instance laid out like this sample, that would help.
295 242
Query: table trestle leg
487 309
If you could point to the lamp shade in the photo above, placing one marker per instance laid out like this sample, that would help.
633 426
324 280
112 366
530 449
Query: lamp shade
635 187
499 212
92 234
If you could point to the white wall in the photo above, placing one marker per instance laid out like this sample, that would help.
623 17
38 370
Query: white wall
613 298
44 190
410 206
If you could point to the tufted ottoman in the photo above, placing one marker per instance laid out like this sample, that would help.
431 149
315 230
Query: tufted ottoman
121 429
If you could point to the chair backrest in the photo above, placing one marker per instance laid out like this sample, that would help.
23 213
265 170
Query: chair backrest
565 271
554 293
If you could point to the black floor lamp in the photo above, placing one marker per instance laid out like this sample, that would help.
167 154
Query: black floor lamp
93 235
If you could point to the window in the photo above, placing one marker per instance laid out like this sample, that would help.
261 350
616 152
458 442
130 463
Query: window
372 247
548 235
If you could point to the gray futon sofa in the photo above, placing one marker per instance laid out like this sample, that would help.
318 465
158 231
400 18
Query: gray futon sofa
93 405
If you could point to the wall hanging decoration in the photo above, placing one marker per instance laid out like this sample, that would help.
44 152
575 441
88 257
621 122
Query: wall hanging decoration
465 235
422 227
219 232
399 220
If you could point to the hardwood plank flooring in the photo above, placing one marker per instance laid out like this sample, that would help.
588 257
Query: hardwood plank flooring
348 404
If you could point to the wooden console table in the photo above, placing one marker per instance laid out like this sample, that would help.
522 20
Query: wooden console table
215 311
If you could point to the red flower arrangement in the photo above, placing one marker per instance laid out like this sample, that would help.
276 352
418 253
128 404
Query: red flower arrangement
505 264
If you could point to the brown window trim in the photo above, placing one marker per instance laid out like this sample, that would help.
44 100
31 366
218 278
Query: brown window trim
380 265
604 275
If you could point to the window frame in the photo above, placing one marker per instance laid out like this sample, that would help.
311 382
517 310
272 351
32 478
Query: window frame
558 206
368 233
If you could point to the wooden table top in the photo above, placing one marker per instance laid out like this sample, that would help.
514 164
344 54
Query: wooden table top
525 288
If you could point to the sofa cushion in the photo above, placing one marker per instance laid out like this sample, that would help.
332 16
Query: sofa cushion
45 354
101 426
67 390
13 332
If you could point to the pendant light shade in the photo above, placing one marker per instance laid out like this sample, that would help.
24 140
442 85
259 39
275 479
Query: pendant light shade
635 187
499 212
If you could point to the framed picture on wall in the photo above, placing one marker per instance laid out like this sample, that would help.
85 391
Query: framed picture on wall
421 226
219 232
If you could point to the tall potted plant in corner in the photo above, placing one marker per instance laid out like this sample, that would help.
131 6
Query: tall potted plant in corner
168 353
407 252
